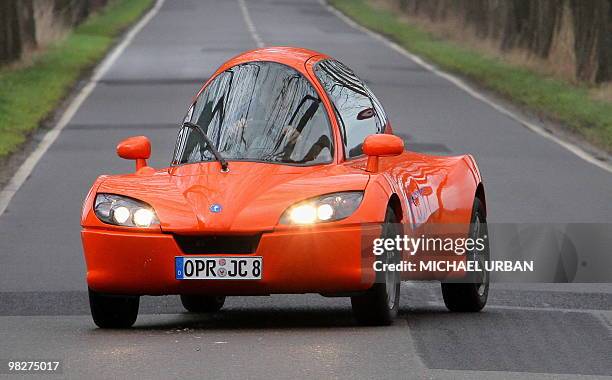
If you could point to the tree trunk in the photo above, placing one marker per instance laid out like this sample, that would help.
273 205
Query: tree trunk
10 44
604 69
17 29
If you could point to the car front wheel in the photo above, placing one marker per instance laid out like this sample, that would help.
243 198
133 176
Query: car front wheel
113 311
471 297
378 306
202 304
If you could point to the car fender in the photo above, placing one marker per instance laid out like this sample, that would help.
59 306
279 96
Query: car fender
378 195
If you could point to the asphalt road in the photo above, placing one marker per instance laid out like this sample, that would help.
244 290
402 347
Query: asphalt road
527 331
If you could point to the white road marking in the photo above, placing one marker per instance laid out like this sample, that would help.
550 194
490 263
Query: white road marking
249 23
595 312
28 165
472 92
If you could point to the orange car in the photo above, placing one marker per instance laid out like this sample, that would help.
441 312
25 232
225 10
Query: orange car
284 170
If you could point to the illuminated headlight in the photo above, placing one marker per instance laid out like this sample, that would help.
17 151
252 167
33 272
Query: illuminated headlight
143 217
303 214
121 214
326 208
124 211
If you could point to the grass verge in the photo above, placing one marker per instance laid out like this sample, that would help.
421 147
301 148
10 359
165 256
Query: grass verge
551 97
29 94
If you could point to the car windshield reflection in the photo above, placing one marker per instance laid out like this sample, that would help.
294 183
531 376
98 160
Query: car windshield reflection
258 111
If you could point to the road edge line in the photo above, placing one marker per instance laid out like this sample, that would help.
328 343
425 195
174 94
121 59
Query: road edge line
461 84
250 25
26 168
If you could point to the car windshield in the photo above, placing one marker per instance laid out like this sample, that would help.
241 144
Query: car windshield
258 111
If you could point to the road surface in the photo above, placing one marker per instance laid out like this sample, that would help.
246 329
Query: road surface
526 331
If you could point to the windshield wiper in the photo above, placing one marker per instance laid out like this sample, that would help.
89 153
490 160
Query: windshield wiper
209 144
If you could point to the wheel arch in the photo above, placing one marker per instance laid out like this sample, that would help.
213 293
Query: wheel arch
480 194
396 205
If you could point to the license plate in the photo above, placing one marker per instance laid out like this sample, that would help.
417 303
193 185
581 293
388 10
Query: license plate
218 268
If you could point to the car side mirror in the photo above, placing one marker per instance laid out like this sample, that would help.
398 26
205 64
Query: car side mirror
379 145
135 148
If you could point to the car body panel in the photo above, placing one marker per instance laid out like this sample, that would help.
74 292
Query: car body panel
324 259
330 257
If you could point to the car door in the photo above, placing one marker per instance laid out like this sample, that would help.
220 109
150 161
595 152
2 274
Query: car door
360 114
354 109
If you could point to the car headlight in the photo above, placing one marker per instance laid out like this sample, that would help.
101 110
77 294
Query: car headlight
124 211
326 208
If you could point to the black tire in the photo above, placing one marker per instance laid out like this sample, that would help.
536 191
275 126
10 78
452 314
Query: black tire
202 304
378 306
471 297
113 311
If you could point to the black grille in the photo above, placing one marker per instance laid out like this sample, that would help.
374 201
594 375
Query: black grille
213 244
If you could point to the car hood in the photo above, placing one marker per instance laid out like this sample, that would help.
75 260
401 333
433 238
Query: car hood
251 197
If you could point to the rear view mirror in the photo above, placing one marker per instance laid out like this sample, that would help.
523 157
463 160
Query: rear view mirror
378 145
135 148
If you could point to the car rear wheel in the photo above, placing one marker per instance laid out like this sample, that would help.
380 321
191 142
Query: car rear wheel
113 311
202 304
379 305
471 297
